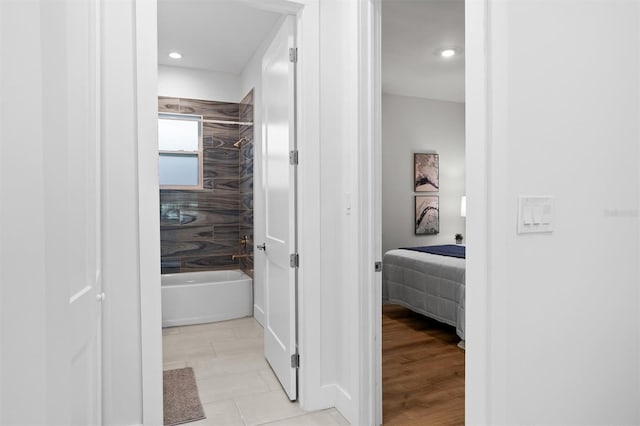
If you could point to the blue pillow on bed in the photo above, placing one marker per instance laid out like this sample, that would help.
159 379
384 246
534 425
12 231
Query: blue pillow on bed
451 250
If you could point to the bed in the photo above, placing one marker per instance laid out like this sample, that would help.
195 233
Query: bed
430 284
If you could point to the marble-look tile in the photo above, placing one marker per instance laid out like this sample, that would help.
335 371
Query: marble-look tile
174 365
249 330
246 184
186 233
239 363
267 407
226 232
208 217
166 104
223 185
227 386
172 353
177 200
200 228
246 107
170 265
270 379
197 248
170 330
240 346
223 413
185 336
330 417
210 263
246 218
246 265
210 110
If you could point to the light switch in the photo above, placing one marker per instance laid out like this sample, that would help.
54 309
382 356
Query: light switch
535 214
527 217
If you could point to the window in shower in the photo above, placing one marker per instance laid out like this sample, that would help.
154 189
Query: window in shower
180 151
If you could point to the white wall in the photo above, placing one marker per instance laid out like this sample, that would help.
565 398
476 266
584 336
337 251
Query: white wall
24 394
564 121
411 125
339 134
179 82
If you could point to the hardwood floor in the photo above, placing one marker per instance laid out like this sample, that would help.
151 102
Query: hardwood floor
422 370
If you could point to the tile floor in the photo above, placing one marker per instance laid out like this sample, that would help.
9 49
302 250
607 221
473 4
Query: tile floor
236 385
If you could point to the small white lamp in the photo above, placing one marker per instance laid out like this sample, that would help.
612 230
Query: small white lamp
463 206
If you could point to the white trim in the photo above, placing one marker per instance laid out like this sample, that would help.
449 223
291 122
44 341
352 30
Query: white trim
258 314
148 207
477 371
370 212
312 394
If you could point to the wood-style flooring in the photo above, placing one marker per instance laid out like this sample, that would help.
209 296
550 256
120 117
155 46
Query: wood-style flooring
422 370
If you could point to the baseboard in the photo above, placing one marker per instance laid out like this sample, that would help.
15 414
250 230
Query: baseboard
345 404
258 314
225 316
333 396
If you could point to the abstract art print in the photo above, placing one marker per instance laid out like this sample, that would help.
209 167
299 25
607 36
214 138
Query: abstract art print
427 215
426 173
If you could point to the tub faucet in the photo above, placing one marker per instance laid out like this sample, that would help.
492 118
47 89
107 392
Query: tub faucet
244 241
239 256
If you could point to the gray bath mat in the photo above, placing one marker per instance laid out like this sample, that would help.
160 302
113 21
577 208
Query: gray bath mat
181 400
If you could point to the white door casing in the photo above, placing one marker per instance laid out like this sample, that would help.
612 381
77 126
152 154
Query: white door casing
279 185
79 180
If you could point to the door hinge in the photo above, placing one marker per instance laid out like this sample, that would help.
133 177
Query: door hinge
293 158
293 54
294 260
378 266
295 360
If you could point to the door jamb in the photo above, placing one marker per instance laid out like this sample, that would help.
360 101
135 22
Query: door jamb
477 135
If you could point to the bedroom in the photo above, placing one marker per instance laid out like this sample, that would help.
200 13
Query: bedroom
423 118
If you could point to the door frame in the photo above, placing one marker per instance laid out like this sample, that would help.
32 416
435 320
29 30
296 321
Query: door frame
312 394
477 135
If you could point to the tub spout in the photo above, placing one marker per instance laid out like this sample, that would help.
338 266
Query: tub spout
239 256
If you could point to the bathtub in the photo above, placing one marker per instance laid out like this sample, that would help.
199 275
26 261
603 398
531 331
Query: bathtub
201 297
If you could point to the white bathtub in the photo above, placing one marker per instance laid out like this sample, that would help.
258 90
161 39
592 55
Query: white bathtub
201 297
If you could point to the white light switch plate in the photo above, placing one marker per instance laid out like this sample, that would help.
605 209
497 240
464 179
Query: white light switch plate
535 214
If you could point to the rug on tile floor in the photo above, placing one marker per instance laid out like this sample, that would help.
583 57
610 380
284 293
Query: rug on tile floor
181 400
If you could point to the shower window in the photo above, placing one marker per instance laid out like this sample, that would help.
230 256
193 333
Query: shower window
180 151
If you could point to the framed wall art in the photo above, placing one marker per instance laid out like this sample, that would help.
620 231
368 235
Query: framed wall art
426 174
427 219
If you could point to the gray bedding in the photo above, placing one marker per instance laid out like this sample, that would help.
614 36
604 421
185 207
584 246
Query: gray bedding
428 284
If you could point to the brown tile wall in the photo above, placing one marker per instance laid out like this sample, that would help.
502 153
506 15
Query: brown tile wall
246 182
200 230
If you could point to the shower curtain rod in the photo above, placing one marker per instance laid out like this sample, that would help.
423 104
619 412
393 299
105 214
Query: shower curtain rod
203 120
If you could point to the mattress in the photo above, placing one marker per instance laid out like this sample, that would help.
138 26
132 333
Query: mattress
428 284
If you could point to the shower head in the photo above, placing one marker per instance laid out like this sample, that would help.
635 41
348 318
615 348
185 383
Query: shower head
237 144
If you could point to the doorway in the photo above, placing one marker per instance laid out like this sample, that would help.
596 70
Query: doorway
423 126
260 74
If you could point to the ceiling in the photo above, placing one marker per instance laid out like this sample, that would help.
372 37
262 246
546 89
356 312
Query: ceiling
222 35
412 33
218 35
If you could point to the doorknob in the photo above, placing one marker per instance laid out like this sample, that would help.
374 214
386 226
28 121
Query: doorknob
261 246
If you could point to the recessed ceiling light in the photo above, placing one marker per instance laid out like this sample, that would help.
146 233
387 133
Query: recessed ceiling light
448 53
175 55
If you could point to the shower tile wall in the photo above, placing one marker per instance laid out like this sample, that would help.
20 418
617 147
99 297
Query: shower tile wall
246 181
200 229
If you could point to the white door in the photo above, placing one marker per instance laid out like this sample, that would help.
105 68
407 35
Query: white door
80 200
279 183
